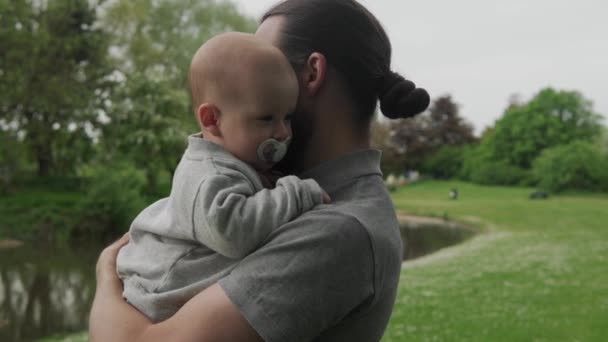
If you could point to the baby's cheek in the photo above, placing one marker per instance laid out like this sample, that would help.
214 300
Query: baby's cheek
252 153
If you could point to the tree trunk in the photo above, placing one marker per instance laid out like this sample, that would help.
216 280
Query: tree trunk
151 178
44 158
39 292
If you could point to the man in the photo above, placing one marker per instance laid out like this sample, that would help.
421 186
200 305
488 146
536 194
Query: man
332 273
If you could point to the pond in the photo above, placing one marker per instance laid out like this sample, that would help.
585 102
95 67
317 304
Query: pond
423 235
47 290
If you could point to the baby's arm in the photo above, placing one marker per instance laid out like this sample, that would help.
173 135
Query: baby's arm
232 219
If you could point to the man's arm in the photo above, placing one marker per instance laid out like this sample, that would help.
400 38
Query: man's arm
306 278
209 316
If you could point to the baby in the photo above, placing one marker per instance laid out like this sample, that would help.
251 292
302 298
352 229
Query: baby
243 92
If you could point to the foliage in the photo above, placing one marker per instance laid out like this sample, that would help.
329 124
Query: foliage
498 173
79 337
575 166
392 161
54 76
114 196
38 214
12 159
414 139
551 118
602 142
446 126
87 93
153 43
446 163
478 166
159 38
148 126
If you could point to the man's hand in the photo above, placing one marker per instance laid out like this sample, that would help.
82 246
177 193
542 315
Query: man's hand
106 264
113 319
326 198
209 316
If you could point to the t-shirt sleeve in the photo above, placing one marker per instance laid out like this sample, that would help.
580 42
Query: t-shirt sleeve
309 275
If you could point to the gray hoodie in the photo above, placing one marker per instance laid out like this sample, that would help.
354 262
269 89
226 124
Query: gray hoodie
217 212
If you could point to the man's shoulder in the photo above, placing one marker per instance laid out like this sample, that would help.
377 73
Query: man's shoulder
327 225
308 276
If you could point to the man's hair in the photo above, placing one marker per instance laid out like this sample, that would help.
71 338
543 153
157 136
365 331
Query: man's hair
356 46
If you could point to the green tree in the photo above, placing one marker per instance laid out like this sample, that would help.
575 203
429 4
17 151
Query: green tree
149 127
53 74
417 138
602 142
578 165
157 38
446 163
12 159
152 46
550 119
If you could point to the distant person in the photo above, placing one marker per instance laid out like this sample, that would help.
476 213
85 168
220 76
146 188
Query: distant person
539 194
453 193
332 273
244 93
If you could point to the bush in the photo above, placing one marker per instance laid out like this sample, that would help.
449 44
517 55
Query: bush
602 142
575 166
498 173
479 167
12 160
114 196
446 163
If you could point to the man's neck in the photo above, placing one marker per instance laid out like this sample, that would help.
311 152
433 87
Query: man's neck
332 138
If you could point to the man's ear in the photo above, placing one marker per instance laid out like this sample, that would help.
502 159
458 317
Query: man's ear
208 118
314 72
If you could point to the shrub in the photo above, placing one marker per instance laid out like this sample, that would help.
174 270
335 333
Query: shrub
479 167
12 160
498 173
602 142
575 166
446 163
114 195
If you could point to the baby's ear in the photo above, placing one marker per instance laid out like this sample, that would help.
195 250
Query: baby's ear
208 116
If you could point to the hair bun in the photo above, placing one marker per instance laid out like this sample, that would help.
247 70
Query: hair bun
399 98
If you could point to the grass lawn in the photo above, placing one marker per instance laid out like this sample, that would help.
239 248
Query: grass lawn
537 272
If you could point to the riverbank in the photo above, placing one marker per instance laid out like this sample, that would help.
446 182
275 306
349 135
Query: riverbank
38 214
539 270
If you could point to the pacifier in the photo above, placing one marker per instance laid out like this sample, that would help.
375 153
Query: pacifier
272 150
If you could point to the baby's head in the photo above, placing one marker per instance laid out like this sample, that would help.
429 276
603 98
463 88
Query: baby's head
244 92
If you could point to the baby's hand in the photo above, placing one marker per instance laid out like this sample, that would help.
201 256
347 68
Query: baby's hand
326 198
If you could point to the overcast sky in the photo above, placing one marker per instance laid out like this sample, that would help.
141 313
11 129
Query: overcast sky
481 52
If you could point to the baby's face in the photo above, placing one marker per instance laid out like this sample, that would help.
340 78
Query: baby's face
265 114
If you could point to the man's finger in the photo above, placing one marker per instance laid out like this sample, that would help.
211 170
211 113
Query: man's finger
116 245
326 198
107 258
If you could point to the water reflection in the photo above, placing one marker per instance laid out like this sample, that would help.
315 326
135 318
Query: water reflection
45 290
422 236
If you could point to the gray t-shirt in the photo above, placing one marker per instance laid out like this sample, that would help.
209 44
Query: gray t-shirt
332 273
